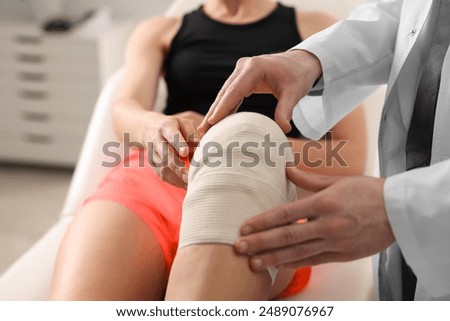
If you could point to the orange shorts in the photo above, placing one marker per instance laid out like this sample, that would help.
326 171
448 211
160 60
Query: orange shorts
134 185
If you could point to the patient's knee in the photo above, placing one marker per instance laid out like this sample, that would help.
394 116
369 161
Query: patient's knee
237 171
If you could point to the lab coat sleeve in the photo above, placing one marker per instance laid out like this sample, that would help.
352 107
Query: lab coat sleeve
418 207
356 56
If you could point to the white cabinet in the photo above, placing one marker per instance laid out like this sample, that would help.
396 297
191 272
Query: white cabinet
49 84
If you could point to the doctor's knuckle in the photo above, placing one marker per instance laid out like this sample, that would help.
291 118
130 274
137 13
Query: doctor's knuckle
257 243
342 245
242 61
288 235
332 229
221 92
299 252
315 260
285 215
327 204
232 89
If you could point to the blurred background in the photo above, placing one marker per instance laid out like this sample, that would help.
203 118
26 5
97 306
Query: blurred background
49 83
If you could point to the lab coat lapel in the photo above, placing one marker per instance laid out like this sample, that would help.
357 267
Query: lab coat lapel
441 147
413 17
413 20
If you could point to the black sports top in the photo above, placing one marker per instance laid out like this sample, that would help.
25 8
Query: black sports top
204 53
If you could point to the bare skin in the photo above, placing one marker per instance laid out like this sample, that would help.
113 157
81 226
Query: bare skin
112 256
347 220
346 216
95 261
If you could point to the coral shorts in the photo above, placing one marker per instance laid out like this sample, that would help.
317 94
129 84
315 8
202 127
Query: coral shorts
134 185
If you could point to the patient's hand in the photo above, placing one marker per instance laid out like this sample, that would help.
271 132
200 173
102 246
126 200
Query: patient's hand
172 140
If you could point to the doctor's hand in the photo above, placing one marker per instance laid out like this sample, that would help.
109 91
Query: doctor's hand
289 76
172 140
345 220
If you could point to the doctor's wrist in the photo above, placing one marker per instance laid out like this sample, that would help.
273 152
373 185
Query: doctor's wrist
311 64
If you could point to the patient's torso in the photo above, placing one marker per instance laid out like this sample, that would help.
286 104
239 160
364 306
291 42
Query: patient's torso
204 53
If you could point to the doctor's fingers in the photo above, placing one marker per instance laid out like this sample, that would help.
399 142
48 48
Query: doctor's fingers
285 214
309 181
241 83
299 255
287 100
321 258
278 238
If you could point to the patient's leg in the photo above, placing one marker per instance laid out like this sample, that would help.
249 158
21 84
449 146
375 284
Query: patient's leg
223 191
109 254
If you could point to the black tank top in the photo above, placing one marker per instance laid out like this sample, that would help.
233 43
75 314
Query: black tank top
204 53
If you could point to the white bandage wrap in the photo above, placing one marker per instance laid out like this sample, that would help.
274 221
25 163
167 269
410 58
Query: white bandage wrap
237 171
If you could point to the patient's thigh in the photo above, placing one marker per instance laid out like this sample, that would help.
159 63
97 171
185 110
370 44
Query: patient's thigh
109 253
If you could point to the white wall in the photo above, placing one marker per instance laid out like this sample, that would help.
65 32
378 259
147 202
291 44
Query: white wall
140 9
125 9
122 9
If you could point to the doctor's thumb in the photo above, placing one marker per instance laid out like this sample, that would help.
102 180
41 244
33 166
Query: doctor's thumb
310 182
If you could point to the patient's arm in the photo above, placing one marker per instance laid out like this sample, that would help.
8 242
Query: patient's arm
342 152
133 113
144 59
225 189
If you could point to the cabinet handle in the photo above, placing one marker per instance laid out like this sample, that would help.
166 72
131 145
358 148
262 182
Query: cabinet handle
30 58
28 40
32 76
35 116
38 139
33 94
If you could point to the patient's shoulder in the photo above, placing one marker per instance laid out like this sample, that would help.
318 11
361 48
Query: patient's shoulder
157 30
311 22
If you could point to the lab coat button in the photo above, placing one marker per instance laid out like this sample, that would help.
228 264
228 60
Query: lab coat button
413 32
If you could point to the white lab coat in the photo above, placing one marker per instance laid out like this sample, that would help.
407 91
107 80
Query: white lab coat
377 45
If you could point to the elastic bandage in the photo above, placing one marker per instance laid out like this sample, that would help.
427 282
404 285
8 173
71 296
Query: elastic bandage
237 171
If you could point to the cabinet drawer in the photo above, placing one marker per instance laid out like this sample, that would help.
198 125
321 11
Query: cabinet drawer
86 69
63 52
71 109
62 91
33 40
31 122
39 148
40 87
